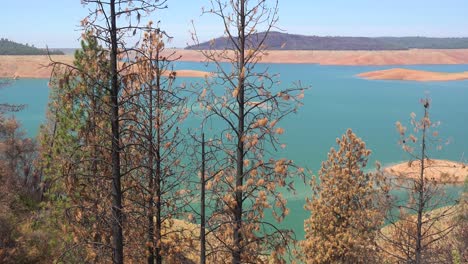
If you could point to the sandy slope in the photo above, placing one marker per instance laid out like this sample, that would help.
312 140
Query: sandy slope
439 170
29 66
192 73
37 67
413 75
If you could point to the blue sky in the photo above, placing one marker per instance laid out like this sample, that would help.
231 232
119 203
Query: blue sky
55 22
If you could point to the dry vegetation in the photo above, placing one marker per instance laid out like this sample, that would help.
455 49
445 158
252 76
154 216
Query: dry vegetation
446 249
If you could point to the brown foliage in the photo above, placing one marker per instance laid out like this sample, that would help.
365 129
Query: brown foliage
345 209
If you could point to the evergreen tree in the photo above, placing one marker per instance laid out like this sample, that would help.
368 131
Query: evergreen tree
345 214
74 154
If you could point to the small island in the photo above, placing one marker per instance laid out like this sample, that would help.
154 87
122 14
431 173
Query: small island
192 74
414 75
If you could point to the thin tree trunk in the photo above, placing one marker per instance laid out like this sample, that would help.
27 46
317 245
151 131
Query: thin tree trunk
158 168
117 236
237 252
94 164
202 206
151 242
418 251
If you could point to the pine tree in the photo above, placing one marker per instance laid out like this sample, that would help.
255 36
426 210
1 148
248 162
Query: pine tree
75 154
345 213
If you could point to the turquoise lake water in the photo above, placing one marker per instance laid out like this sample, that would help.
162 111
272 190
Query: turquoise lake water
336 101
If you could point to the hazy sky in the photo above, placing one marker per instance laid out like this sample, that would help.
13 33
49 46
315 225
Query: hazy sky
55 22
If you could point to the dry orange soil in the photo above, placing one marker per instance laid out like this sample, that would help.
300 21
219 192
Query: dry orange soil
193 73
33 66
38 67
399 57
29 66
437 170
414 75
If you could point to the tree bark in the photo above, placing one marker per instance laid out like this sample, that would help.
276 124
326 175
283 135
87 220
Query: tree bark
117 236
237 252
151 241
418 251
158 168
202 207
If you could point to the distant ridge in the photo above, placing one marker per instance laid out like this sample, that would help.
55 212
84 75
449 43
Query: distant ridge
284 41
8 47
68 51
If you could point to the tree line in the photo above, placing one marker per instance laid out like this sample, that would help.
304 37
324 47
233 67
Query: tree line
8 47
116 177
285 41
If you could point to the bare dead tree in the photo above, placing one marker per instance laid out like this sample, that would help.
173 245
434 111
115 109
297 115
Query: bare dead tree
246 115
416 226
155 116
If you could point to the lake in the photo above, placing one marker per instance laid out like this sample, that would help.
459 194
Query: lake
336 101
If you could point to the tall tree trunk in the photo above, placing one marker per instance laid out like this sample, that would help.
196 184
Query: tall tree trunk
202 207
117 236
151 242
237 252
158 167
421 205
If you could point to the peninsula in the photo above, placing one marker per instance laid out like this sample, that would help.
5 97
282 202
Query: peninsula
442 171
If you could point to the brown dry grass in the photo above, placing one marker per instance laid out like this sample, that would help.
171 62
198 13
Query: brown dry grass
413 75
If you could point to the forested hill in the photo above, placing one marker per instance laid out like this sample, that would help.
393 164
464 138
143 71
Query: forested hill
8 47
283 41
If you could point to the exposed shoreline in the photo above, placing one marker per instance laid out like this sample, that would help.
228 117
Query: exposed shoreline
353 58
441 171
414 75
191 74
36 66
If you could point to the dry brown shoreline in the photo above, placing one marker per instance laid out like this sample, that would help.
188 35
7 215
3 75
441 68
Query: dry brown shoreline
442 171
33 66
414 75
37 67
354 58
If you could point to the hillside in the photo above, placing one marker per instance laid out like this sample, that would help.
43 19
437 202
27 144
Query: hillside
8 47
283 41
